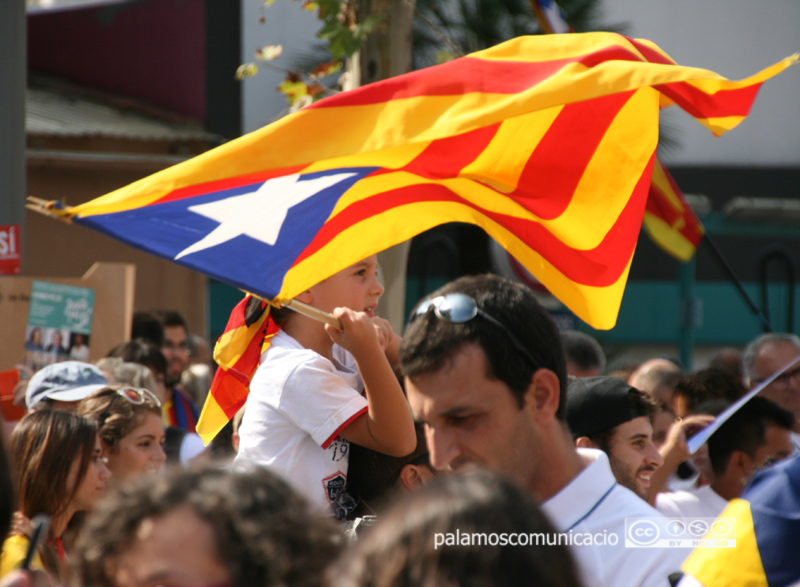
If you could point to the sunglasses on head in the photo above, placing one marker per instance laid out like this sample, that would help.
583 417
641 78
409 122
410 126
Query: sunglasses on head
133 395
137 396
458 308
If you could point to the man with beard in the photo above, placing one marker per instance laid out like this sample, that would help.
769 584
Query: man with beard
486 375
179 408
608 414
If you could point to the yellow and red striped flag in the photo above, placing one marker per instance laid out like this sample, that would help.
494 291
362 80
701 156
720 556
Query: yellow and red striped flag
546 142
237 351
668 218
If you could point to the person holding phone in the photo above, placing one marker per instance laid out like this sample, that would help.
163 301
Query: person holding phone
59 470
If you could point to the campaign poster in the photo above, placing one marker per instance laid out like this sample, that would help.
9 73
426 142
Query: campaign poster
59 324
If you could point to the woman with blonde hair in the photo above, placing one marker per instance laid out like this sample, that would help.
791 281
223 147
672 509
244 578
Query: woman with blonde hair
131 430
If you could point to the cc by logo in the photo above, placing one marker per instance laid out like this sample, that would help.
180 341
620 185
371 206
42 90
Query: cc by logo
644 532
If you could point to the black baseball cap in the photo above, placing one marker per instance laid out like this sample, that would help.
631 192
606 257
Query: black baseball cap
597 404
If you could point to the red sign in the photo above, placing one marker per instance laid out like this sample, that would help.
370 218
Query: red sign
10 259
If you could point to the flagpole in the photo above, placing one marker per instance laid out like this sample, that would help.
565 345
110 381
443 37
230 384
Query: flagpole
312 312
732 276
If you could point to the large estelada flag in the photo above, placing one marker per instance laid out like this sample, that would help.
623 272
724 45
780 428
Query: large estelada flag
767 527
668 218
546 142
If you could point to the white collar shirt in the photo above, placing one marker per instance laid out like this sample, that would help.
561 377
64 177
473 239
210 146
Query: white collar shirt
697 503
592 508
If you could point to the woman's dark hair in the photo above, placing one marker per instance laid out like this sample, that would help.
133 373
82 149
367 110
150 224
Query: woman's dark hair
408 546
143 352
114 416
264 531
43 447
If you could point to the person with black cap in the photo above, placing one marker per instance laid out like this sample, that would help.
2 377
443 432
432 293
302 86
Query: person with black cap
609 414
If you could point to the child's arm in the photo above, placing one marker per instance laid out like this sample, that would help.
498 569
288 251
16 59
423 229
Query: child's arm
387 427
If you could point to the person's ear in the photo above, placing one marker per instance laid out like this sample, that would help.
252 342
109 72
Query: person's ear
739 464
414 476
306 297
543 395
743 465
584 442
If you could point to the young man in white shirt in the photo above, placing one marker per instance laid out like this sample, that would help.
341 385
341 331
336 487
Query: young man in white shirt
608 414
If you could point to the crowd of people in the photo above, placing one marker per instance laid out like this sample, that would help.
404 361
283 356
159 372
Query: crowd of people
484 447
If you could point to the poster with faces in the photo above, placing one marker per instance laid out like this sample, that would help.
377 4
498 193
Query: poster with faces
59 324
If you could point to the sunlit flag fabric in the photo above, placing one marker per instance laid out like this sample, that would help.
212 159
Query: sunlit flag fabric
546 142
767 519
668 218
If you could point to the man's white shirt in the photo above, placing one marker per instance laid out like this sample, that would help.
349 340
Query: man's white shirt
593 503
696 503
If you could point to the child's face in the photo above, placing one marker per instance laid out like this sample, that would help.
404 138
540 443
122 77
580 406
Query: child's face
356 287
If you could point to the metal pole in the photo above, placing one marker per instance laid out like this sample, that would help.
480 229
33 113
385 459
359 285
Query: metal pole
739 286
13 67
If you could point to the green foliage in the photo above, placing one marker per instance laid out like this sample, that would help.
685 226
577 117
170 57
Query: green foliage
344 33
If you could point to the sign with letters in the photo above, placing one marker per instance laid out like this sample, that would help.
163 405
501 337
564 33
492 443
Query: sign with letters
10 256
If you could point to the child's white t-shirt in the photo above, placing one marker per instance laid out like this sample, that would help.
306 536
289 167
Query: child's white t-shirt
298 404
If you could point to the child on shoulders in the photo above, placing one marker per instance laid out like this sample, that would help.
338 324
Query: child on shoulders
318 388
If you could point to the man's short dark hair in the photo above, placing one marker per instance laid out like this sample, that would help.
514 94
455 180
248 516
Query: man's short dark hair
430 343
709 384
583 350
172 318
373 474
745 430
265 533
148 325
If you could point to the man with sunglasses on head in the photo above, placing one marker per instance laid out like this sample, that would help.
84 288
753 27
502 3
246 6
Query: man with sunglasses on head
486 375
764 356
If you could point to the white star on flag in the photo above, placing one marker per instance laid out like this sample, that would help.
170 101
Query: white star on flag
259 214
